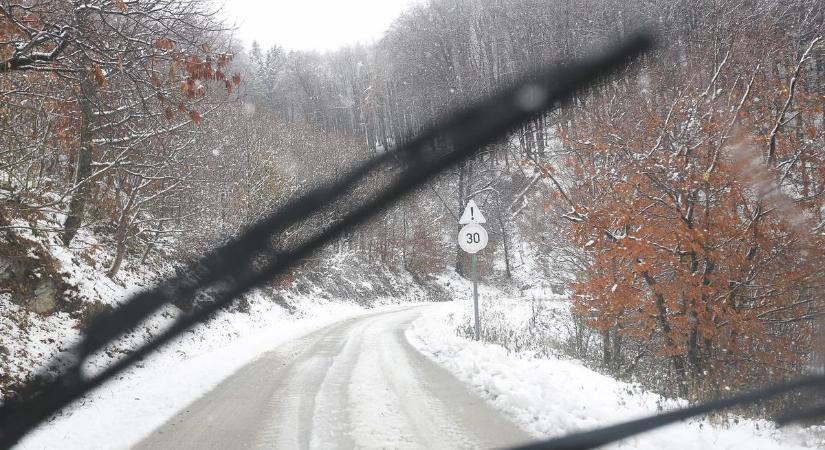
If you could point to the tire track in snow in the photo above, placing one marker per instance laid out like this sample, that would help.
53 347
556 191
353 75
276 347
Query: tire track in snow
355 384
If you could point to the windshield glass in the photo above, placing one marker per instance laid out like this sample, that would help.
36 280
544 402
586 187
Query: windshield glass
410 223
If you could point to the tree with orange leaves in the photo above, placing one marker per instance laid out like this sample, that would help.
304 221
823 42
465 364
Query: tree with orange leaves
698 199
127 80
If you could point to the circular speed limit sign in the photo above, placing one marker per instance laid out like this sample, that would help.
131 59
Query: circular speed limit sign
472 238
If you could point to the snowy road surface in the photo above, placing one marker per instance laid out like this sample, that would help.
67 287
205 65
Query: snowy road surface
357 383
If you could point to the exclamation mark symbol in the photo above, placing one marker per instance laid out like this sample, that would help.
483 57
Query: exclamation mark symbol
472 213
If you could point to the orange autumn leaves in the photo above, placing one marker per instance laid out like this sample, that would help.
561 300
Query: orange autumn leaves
193 71
690 256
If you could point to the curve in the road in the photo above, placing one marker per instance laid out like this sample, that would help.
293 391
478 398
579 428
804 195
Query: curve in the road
355 384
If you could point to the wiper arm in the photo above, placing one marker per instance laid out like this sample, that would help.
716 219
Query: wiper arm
249 260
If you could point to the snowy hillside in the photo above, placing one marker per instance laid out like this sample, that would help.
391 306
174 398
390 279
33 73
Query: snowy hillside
39 326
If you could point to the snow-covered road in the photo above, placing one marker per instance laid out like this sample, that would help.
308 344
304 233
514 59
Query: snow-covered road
357 383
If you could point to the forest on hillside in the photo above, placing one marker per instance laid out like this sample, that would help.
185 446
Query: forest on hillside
682 204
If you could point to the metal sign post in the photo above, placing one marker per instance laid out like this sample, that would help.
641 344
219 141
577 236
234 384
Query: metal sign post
473 238
475 294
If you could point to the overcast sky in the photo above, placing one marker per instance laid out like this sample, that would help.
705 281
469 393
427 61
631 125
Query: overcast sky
312 24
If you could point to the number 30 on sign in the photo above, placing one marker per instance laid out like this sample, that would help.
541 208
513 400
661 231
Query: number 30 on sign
472 238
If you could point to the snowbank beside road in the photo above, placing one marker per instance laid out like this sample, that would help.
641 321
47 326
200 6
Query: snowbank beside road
122 412
552 396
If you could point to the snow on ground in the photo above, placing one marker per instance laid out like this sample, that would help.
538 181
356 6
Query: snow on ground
117 415
31 342
122 412
552 396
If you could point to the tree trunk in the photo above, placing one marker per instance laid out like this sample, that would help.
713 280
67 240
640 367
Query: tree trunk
461 257
121 236
119 255
678 360
607 354
618 359
505 246
83 167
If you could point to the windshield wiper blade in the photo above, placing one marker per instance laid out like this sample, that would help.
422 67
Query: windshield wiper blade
236 267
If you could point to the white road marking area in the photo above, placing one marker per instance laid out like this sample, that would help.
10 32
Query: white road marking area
355 384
